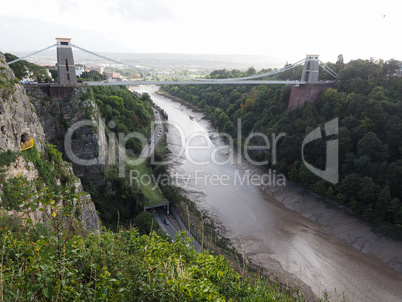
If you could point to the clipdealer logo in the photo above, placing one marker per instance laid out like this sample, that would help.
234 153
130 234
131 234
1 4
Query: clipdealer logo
331 172
115 149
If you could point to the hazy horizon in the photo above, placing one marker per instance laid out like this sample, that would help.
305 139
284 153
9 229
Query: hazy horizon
165 60
285 31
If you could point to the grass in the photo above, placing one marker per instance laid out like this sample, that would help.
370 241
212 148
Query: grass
151 191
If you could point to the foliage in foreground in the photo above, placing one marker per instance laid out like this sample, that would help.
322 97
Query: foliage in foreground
120 267
53 262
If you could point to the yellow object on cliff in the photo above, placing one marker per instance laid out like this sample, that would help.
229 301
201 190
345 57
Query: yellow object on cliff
27 145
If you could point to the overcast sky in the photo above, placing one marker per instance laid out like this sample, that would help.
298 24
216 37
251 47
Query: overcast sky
284 29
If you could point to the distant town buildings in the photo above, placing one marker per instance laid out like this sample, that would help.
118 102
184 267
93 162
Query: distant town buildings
101 70
79 69
113 75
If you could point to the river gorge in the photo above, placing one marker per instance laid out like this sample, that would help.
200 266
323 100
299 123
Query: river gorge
278 226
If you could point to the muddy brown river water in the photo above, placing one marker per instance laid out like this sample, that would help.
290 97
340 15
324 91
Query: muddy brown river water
280 228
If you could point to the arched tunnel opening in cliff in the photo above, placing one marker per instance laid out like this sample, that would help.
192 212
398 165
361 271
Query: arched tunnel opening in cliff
25 138
3 129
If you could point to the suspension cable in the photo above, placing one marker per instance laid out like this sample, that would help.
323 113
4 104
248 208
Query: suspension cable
198 79
262 75
34 53
118 62
329 70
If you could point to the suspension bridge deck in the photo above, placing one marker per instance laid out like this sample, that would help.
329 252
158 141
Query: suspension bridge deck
206 82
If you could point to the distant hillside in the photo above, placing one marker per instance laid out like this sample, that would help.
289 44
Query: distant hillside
165 61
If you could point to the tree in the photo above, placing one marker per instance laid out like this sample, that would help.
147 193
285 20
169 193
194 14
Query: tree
368 145
145 221
38 73
394 212
251 71
23 69
390 67
93 75
350 185
368 191
54 73
19 68
340 59
339 63
383 201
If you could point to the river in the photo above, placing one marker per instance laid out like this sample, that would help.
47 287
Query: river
280 228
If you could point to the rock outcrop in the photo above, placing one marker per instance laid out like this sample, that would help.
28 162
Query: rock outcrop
19 122
88 150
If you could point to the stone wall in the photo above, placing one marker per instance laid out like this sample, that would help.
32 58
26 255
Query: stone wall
308 92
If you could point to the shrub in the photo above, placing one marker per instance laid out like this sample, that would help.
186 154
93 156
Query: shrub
8 157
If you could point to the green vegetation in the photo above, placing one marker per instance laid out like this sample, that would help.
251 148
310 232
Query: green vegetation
92 75
368 103
7 85
57 262
11 197
6 158
117 200
151 190
50 166
129 113
146 222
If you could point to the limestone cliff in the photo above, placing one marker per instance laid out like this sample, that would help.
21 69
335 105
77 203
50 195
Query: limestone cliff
77 111
18 120
18 123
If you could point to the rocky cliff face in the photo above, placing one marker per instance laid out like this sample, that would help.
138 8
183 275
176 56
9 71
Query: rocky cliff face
77 113
19 122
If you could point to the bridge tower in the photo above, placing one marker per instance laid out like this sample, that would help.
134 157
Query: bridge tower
65 62
311 69
313 88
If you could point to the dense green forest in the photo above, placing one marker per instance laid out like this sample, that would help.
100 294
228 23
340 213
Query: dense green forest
129 112
366 99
